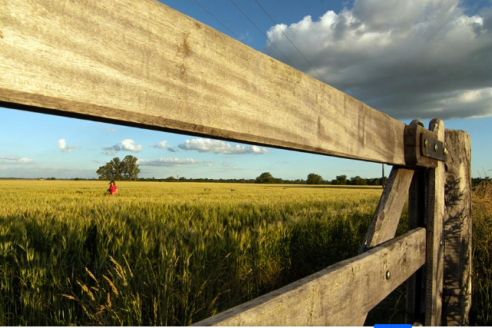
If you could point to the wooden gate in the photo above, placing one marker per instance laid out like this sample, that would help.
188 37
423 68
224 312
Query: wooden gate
140 63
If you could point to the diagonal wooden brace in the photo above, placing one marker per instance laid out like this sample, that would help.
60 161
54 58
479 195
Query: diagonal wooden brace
388 212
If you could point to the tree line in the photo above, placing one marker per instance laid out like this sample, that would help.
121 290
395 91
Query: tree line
128 169
316 179
267 178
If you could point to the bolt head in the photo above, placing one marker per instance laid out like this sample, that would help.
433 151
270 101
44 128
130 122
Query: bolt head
445 151
435 147
388 275
426 143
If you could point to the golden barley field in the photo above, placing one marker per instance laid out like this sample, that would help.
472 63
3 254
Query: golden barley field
165 253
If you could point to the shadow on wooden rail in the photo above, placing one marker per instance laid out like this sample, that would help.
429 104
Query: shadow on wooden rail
339 295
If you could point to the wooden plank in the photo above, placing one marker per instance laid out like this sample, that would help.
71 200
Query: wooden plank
435 236
388 212
457 230
416 218
339 295
144 64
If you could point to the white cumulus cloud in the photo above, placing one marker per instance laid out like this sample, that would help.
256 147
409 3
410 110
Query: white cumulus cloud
62 145
15 160
164 145
220 147
124 145
172 162
130 145
410 59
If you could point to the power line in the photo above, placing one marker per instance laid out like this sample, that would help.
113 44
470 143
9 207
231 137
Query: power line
298 50
218 20
232 1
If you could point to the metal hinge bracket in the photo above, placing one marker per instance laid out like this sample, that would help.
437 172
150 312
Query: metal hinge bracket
422 148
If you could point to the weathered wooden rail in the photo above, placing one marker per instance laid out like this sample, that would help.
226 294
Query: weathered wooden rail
143 64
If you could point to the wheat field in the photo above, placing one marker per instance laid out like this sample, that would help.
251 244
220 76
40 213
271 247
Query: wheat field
164 253
169 253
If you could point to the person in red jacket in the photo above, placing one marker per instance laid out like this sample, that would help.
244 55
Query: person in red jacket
112 188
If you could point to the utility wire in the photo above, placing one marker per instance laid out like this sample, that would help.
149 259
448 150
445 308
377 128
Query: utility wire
232 1
218 20
298 50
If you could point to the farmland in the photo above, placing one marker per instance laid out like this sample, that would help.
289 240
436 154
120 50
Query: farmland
170 253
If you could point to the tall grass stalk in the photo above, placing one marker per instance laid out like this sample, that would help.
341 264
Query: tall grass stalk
163 254
173 254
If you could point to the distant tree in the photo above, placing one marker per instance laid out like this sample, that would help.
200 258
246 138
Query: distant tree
340 180
358 181
129 168
278 180
313 178
267 177
117 169
111 170
376 181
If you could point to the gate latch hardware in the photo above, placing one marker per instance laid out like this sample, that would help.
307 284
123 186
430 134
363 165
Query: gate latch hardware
422 148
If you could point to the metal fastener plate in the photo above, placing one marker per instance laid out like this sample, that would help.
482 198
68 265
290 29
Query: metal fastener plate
434 148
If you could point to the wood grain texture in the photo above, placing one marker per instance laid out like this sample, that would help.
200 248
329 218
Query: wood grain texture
339 295
435 236
416 218
457 230
145 64
388 212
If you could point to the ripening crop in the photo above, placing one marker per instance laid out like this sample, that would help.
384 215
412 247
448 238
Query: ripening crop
176 253
164 253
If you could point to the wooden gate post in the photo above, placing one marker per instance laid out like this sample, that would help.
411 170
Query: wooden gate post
426 208
440 200
457 231
416 218
435 235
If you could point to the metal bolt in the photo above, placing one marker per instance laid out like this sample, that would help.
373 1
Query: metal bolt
445 151
440 243
435 147
426 143
388 275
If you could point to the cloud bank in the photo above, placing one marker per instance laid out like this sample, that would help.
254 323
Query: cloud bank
62 145
220 147
15 160
124 145
409 59
172 162
164 145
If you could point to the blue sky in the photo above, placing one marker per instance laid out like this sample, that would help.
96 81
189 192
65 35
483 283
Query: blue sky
410 59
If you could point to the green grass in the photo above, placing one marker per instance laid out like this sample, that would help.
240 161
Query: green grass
481 310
